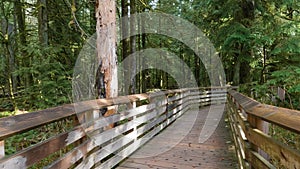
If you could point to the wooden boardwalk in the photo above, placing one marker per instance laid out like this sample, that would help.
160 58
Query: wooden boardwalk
217 152
178 145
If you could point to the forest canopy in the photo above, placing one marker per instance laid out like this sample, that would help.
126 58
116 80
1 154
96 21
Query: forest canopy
258 42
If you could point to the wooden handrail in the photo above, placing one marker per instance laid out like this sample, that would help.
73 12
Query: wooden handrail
247 118
154 112
249 121
20 123
285 118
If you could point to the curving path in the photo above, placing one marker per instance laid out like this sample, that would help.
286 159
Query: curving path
183 150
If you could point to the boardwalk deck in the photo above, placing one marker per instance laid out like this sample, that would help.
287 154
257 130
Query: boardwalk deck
217 152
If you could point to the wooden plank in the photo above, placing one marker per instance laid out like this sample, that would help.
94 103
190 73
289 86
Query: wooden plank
132 136
178 96
242 121
189 154
243 139
235 133
17 124
244 101
285 118
102 103
257 161
97 157
114 146
169 137
72 157
174 111
128 150
43 149
210 96
174 107
21 123
118 130
105 121
154 95
237 148
102 153
258 114
204 96
151 124
261 125
64 161
218 98
179 101
133 165
2 149
288 157
239 123
120 156
107 150
239 138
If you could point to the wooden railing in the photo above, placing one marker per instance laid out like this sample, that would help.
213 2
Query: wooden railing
87 141
255 148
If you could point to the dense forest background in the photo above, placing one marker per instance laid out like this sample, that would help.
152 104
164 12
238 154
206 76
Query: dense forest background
258 42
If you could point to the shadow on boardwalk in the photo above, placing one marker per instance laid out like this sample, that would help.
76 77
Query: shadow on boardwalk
217 152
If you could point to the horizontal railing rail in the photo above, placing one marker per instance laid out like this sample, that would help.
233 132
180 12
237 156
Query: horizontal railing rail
255 147
78 136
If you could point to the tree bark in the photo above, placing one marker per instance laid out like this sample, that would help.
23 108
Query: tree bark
106 49
7 31
92 16
144 73
20 16
132 87
43 22
125 45
197 69
21 21
236 75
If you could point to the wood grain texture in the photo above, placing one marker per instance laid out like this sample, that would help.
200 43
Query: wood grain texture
134 127
285 118
2 149
251 116
188 153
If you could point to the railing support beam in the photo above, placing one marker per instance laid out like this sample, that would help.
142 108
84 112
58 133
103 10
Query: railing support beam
262 126
2 149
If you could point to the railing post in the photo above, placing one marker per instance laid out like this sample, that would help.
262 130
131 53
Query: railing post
2 149
134 119
232 113
186 100
262 126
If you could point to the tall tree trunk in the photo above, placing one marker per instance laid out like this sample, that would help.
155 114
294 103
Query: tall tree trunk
132 87
10 53
106 49
139 48
125 45
197 69
236 75
16 81
248 16
20 16
43 22
7 32
144 73
262 75
92 16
